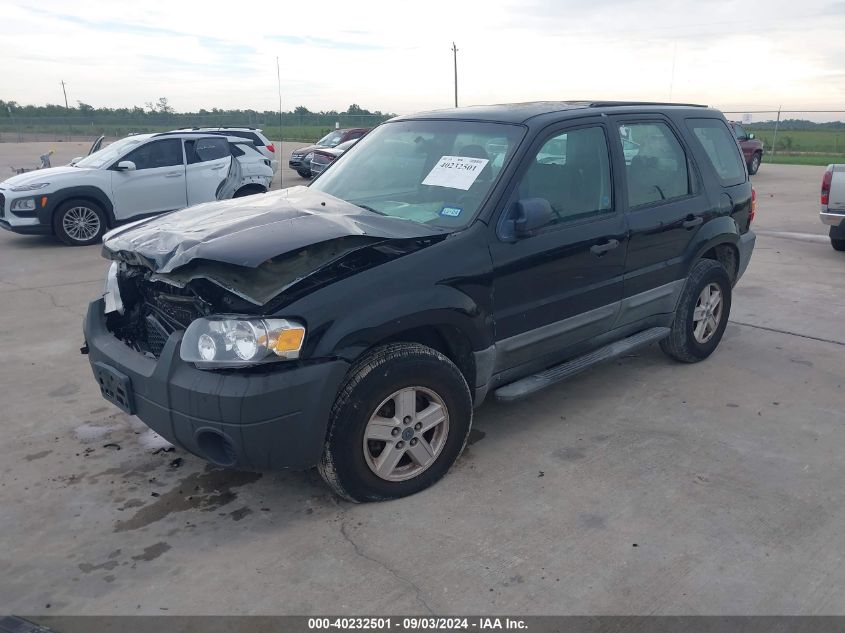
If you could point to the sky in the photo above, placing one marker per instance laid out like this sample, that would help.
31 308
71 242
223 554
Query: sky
396 56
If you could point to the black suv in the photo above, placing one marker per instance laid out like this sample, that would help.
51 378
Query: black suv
355 323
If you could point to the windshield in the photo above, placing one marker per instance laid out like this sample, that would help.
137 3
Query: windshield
330 140
432 172
111 153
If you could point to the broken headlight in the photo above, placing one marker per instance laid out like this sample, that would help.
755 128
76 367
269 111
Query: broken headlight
233 341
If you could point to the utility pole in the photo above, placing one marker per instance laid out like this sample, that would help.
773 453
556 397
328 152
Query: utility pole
279 154
64 92
455 57
775 137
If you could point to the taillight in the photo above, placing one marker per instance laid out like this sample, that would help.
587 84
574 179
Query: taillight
270 148
753 206
826 179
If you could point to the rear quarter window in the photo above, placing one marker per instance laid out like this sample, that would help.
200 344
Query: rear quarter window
721 149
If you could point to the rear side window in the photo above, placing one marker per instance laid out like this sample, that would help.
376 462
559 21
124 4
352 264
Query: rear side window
721 149
655 163
206 149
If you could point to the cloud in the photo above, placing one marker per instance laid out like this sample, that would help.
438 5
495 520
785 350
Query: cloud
320 42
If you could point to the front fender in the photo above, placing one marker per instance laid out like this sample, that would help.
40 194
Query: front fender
440 307
45 215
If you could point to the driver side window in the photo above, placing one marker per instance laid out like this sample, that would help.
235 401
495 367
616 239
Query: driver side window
163 153
572 172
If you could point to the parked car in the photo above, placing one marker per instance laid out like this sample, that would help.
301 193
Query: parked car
355 324
324 157
136 176
300 159
833 204
263 144
752 148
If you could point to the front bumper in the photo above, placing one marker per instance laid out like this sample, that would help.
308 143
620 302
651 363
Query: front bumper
26 229
258 421
746 247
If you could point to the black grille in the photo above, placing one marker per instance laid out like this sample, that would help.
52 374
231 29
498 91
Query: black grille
2 206
159 310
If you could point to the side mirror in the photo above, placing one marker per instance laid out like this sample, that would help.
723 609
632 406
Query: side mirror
530 215
751 137
76 160
126 165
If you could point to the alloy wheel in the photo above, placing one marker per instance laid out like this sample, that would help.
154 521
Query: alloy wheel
81 223
707 313
406 434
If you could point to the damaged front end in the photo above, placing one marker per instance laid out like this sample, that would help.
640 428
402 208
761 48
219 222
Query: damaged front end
170 272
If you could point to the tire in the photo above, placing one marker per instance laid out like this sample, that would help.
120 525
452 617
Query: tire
249 190
303 173
79 222
686 343
838 245
405 370
754 165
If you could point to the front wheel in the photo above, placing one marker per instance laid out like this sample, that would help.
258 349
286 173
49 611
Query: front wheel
702 313
303 173
754 165
398 424
79 222
838 245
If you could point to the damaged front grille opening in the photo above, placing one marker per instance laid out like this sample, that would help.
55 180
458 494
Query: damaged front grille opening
157 305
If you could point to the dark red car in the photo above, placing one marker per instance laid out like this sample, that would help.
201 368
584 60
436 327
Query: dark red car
752 148
300 159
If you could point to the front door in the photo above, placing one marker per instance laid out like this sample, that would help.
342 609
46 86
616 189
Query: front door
209 160
156 184
561 285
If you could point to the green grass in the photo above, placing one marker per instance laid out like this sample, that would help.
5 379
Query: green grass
819 141
804 159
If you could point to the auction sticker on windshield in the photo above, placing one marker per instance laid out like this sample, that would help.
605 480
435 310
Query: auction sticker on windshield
455 172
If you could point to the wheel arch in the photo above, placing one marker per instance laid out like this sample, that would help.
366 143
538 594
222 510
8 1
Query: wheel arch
88 192
717 240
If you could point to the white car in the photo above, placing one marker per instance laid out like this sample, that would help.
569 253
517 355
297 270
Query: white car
137 176
263 144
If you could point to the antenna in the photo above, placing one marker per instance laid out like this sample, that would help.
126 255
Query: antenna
455 56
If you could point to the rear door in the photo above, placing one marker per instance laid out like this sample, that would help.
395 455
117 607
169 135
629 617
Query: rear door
208 164
563 284
665 208
156 184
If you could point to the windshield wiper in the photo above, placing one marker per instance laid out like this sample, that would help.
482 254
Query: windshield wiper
369 208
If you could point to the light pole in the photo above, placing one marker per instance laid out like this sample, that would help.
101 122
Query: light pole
455 58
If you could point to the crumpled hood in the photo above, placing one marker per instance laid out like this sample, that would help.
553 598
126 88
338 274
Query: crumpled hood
42 175
310 148
251 230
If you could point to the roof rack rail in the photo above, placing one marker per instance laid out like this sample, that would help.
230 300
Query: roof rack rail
611 104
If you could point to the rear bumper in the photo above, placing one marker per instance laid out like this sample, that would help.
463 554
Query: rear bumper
832 218
258 421
746 248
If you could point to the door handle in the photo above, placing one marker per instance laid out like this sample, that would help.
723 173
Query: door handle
601 249
691 223
218 167
173 174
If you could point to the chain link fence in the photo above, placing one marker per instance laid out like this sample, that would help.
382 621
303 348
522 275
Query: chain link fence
292 127
810 137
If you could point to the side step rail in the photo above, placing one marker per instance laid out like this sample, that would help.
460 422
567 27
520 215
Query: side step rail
531 384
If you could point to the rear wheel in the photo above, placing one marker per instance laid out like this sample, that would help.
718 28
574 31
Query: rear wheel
702 313
754 165
79 222
398 424
838 245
